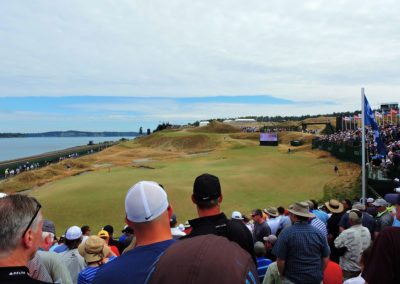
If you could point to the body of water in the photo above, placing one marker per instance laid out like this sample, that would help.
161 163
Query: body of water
13 148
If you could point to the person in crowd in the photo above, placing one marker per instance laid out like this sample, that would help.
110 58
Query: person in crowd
333 273
367 220
126 232
269 243
175 231
322 215
273 219
383 218
96 253
346 204
394 199
85 232
111 242
204 259
284 221
207 197
71 257
148 213
261 228
363 260
106 237
316 222
302 251
262 262
21 224
48 266
336 208
382 266
355 240
371 208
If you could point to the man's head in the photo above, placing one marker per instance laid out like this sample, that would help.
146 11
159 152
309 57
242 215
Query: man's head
257 216
259 249
148 211
48 234
380 204
20 228
300 211
355 217
73 237
110 230
346 204
272 212
85 230
270 241
206 191
394 199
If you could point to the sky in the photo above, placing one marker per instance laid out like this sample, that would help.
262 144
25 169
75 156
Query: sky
118 65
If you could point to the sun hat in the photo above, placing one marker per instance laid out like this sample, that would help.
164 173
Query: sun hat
301 209
272 211
94 249
145 201
103 234
48 226
206 187
73 233
271 238
334 206
237 215
380 202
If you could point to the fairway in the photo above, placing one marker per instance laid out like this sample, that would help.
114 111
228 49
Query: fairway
251 176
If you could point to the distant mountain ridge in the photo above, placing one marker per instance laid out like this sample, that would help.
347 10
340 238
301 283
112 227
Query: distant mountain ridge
70 133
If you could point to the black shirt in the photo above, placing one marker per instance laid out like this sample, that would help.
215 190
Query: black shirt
219 225
16 274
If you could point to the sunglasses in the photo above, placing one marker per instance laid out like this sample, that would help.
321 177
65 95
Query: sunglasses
38 206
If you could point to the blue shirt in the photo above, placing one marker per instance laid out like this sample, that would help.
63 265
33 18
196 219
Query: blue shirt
302 247
262 266
61 248
132 266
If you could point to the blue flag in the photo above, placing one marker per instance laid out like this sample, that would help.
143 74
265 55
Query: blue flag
370 120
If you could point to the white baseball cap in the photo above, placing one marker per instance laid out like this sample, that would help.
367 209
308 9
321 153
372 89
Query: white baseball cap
73 233
145 201
237 215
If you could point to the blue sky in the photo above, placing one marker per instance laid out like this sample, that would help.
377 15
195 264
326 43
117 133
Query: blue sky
119 65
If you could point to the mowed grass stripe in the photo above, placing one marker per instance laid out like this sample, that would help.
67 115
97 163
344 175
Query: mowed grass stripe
251 176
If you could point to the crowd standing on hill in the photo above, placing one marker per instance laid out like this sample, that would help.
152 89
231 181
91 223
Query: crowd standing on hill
335 242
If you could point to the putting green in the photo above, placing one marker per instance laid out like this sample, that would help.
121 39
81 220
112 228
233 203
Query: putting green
251 177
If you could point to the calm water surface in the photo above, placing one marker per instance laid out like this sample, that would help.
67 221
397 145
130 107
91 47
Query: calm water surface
13 148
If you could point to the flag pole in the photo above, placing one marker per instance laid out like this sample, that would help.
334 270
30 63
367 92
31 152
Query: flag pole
363 180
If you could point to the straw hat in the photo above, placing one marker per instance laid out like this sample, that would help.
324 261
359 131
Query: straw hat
272 211
94 249
301 209
334 206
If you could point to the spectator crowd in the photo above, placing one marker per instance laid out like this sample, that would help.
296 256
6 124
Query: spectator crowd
338 241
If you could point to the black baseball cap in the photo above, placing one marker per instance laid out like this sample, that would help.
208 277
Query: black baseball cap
206 187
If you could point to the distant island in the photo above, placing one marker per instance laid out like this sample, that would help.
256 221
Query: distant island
70 133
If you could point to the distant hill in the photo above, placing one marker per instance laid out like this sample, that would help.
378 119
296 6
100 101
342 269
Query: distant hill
70 133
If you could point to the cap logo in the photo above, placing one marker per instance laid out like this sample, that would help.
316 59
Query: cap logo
147 218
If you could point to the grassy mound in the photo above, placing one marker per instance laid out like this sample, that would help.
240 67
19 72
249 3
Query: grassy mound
216 127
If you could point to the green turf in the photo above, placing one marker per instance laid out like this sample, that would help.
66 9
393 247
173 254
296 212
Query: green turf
251 177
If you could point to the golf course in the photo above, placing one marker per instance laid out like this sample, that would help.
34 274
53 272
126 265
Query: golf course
91 189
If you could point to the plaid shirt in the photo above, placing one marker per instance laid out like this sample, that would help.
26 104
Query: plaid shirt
302 247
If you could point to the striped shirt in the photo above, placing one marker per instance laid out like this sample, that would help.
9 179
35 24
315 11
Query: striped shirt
87 275
320 226
262 266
